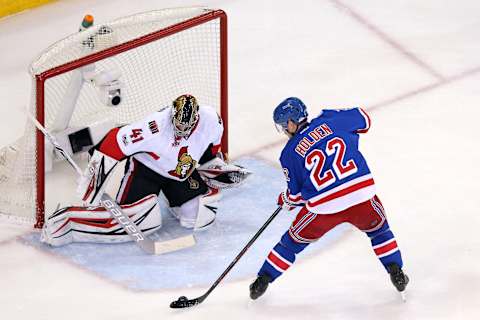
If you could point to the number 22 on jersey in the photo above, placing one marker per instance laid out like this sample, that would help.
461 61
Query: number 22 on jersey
315 163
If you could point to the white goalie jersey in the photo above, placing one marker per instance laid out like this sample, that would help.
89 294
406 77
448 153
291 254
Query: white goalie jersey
152 142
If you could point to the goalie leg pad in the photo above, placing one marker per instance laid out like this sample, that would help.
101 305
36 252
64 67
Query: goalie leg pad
212 195
95 224
194 214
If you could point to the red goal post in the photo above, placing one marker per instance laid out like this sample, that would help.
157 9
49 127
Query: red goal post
155 55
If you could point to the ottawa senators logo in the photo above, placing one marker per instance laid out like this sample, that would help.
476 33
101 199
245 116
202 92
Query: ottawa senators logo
185 164
194 184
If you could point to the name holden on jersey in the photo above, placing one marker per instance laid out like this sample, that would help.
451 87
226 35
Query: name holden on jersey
315 135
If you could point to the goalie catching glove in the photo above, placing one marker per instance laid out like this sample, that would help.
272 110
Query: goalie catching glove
221 175
92 184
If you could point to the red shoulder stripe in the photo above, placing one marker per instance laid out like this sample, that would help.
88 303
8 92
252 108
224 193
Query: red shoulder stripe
110 147
367 121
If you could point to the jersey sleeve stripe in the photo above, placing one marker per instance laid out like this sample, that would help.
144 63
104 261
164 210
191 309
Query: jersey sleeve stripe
295 198
367 121
153 155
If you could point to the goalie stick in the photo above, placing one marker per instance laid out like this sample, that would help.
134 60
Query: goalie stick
147 244
184 302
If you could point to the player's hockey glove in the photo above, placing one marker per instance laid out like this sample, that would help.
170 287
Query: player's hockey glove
286 202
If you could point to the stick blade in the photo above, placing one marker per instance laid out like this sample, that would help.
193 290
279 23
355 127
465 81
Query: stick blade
174 244
183 302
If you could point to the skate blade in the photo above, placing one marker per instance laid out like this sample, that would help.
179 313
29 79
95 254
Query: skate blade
403 295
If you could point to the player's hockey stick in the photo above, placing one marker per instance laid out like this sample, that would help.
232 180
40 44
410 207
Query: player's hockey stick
184 302
147 244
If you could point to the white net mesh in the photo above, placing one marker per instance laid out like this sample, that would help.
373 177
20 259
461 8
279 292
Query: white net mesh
151 76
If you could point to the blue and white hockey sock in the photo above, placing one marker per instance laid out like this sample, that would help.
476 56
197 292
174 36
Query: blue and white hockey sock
281 257
385 246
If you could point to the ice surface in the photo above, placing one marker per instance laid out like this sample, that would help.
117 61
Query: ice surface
240 215
414 64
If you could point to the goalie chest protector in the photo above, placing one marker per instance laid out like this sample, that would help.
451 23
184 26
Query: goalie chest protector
152 142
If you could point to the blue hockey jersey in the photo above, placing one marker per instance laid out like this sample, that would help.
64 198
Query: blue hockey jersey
323 166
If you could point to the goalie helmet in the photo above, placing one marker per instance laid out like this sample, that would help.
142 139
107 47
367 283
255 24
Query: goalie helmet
289 109
184 115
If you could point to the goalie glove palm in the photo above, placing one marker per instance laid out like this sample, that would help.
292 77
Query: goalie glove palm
92 184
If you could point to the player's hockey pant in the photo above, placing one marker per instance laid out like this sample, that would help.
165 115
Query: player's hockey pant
368 216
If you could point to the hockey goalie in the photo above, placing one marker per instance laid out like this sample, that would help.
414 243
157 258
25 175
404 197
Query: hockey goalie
175 152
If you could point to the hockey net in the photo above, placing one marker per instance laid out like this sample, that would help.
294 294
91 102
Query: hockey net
146 60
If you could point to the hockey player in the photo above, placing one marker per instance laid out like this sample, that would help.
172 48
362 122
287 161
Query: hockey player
328 178
162 152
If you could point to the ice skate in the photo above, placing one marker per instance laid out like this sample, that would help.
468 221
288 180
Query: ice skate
399 279
259 286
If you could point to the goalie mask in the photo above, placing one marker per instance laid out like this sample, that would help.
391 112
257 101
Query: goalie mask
185 115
